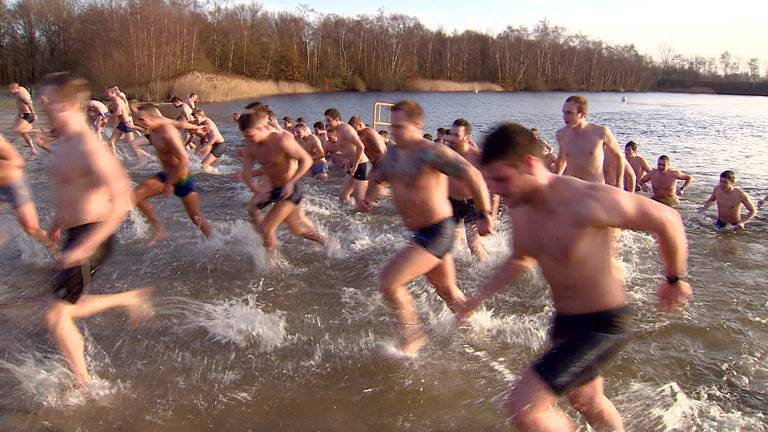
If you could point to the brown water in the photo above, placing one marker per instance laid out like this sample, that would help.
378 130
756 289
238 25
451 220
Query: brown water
240 346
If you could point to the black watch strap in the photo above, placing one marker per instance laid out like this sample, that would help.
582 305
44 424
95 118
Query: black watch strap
673 279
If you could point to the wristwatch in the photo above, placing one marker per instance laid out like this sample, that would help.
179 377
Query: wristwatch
673 279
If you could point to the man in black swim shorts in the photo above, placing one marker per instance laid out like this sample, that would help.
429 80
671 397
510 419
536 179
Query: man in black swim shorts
283 161
27 115
567 227
92 200
417 171
356 162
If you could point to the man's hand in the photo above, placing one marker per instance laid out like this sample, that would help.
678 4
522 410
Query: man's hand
672 297
484 225
288 189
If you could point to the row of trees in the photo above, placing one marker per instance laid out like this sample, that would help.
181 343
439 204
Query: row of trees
133 42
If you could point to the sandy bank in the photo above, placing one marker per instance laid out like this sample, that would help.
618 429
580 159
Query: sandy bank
451 86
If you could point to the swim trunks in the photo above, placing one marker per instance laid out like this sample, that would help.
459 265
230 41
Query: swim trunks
15 193
362 171
464 210
69 284
28 117
723 225
437 239
319 168
123 127
181 188
218 149
274 197
670 201
582 345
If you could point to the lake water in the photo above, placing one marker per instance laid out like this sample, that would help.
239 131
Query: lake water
237 345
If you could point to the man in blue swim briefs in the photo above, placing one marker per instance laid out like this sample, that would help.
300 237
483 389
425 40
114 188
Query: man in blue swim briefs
314 147
352 149
283 162
175 175
566 226
729 201
417 171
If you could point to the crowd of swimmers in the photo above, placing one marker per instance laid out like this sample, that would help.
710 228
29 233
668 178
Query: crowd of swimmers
562 212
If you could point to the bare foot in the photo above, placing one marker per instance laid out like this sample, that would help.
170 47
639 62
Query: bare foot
141 308
159 234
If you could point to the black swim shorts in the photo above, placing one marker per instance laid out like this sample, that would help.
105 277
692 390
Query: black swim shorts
465 210
362 171
437 239
274 196
218 149
69 284
28 117
582 345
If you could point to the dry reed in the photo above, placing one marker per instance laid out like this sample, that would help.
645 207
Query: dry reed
451 86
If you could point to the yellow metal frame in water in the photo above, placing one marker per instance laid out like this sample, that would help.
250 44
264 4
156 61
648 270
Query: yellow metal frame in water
377 111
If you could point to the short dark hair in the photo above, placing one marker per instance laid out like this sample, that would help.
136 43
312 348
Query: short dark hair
510 142
67 86
287 119
413 111
249 120
192 94
175 99
383 132
428 136
632 145
252 105
300 120
332 113
319 125
729 175
663 158
355 120
464 123
581 103
441 130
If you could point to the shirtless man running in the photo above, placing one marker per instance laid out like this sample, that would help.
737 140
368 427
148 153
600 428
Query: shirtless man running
212 144
664 182
564 225
122 114
283 162
583 146
352 149
14 191
418 171
639 166
185 115
91 196
98 113
27 114
314 147
373 143
175 176
464 209
729 200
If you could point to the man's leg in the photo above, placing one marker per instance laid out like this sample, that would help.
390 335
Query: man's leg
192 205
360 188
589 399
300 225
116 134
149 188
254 212
276 215
23 128
346 189
208 161
473 241
60 319
531 406
408 264
138 152
443 278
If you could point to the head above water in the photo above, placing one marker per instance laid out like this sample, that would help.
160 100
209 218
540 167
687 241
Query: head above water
460 132
727 178
198 113
510 161
300 130
318 126
254 125
332 118
663 163
575 110
407 120
176 101
62 92
357 123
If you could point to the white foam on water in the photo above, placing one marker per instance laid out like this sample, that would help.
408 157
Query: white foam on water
238 321
667 408
235 237
137 227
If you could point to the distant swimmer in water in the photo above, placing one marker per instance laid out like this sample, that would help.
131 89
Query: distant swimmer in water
175 176
465 212
15 192
729 200
314 147
565 227
27 115
356 162
98 113
212 145
664 182
92 195
283 162
639 166
418 171
583 146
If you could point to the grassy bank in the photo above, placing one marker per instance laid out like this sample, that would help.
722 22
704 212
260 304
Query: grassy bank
451 86
215 88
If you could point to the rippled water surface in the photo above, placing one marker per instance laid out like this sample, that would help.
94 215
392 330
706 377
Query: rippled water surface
238 345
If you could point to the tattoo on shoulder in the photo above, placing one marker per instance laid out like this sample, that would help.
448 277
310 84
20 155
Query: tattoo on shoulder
452 167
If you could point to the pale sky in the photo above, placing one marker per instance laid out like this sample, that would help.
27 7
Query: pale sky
691 27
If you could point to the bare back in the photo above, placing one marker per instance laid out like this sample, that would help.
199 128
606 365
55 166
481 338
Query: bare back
314 147
23 101
347 137
373 143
